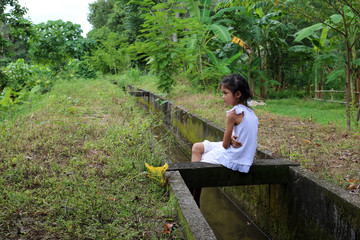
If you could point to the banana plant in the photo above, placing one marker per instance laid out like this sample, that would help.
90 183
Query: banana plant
210 27
321 52
222 65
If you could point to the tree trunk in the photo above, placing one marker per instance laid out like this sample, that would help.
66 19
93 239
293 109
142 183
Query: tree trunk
279 78
251 80
263 91
114 65
322 82
316 85
347 85
175 37
355 79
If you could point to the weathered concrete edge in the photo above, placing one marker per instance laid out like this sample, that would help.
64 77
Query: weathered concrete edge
326 185
194 221
330 206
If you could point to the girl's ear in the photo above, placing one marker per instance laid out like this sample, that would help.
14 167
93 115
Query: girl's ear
238 94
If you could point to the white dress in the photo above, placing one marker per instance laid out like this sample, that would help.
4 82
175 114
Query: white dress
237 159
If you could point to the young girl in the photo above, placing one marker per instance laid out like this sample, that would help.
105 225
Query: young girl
237 150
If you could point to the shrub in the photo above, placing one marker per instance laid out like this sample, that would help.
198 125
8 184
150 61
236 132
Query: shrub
85 70
286 93
3 80
19 75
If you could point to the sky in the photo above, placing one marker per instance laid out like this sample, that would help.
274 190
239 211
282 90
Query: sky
75 11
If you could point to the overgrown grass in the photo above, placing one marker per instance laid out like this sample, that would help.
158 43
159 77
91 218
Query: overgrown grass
74 168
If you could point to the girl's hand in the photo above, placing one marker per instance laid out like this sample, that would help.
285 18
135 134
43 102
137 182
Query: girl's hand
235 143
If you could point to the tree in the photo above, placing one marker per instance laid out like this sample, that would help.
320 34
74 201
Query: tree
14 31
342 17
56 42
159 48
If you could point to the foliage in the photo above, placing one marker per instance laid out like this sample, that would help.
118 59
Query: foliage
56 42
85 70
3 79
120 17
342 17
160 48
19 75
112 54
15 31
129 76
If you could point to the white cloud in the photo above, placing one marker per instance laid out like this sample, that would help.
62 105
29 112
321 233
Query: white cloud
75 11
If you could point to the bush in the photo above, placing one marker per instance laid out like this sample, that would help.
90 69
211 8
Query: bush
130 76
85 70
286 93
3 80
19 75
43 76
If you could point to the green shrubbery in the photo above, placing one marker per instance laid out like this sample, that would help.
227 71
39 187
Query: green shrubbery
20 81
85 70
286 93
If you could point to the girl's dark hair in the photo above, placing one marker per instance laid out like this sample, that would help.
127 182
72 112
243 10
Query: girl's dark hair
236 82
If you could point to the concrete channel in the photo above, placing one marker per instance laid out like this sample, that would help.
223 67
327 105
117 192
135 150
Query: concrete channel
284 199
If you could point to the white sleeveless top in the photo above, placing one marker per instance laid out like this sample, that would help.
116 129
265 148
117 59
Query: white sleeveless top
240 159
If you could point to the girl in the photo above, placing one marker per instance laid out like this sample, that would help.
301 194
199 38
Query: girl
238 147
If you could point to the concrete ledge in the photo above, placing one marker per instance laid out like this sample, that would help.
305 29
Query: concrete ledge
263 171
139 94
194 222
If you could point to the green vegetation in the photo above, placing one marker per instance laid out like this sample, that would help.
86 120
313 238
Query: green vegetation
285 48
319 112
72 167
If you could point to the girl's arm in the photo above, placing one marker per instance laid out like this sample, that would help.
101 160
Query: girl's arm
230 122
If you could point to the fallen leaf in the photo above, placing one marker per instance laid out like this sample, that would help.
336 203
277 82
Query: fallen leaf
306 140
168 227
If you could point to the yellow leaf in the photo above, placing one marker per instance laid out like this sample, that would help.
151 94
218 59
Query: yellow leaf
157 173
306 140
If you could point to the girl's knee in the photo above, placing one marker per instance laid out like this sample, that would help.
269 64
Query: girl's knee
198 148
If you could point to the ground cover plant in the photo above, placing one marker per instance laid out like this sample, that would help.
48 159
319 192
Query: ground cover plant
74 168
309 132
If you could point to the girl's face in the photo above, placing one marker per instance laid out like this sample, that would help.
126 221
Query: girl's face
230 98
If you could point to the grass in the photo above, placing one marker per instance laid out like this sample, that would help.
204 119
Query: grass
319 112
72 167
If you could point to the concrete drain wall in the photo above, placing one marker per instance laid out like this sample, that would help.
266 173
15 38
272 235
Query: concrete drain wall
304 208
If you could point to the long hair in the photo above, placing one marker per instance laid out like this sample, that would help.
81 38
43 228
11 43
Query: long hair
236 82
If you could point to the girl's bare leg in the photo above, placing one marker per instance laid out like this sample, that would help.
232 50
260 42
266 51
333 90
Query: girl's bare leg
197 151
